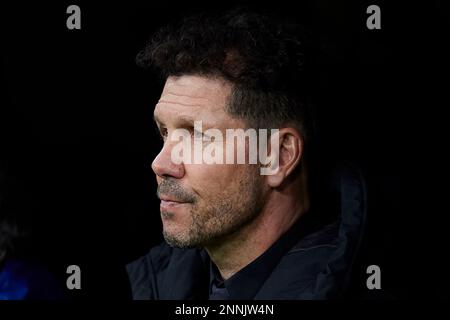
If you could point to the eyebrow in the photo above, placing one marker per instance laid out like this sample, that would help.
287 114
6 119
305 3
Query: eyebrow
184 120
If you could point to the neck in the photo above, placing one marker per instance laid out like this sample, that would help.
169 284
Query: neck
240 248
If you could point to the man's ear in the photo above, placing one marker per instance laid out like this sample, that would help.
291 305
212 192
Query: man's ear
288 152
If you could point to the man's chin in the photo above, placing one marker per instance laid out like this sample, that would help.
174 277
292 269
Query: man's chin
177 241
176 213
176 235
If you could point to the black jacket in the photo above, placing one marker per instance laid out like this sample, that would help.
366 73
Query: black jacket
318 266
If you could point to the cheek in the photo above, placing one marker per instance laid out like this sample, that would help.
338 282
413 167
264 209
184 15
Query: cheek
210 180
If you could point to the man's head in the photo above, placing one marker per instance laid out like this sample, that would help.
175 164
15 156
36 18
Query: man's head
236 71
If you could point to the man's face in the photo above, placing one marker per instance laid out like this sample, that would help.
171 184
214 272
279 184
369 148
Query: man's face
201 203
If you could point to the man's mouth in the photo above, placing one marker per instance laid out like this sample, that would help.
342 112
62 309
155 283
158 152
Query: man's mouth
169 202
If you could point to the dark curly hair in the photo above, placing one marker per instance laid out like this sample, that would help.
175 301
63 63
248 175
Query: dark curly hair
262 56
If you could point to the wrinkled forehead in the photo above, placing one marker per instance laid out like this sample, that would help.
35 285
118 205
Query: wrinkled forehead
196 91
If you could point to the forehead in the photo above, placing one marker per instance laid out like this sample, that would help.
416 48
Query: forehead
193 95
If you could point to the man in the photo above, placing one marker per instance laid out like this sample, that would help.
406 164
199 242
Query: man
232 232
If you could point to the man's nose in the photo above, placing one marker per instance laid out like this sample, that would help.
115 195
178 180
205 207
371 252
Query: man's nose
163 165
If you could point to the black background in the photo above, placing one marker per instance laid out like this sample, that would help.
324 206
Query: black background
76 131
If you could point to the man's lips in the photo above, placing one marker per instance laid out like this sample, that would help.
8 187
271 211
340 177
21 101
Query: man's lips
168 202
170 199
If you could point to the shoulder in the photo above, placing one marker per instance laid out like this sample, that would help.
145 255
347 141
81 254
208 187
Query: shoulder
143 270
155 259
154 274
297 273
